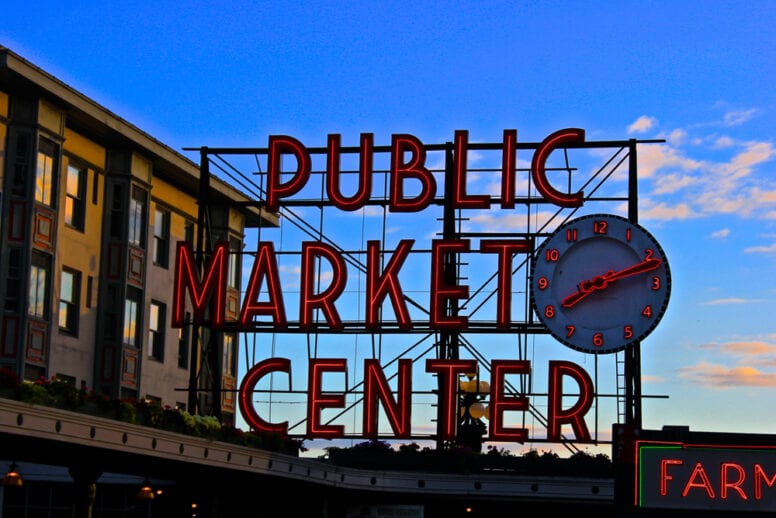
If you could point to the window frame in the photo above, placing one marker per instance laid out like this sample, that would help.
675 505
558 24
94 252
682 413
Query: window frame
75 217
234 270
157 313
229 366
131 323
71 306
136 232
46 163
161 252
184 335
40 278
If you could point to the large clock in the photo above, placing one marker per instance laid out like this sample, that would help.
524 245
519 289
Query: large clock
600 283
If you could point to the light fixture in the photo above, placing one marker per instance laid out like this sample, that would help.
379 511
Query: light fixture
12 478
474 393
146 492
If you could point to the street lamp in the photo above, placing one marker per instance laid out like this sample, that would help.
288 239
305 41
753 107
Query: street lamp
146 492
13 478
471 396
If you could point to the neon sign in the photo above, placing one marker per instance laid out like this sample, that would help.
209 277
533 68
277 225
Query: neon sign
398 409
713 477
209 291
204 284
414 168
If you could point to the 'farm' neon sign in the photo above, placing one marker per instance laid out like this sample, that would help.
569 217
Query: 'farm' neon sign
713 477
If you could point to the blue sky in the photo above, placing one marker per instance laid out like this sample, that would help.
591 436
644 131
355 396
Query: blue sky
698 74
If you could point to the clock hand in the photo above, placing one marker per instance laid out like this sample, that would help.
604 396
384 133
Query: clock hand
600 282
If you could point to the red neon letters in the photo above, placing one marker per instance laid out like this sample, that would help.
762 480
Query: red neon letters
413 169
731 477
377 393
210 292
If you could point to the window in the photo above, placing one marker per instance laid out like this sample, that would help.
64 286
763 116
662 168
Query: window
21 169
156 331
69 293
188 232
115 226
13 280
131 308
161 237
96 189
45 171
75 188
137 221
234 264
111 314
228 367
89 288
183 343
39 279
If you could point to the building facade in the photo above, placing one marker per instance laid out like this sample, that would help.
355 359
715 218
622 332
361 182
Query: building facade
92 209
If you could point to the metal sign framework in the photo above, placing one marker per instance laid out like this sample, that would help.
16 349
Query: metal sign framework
606 171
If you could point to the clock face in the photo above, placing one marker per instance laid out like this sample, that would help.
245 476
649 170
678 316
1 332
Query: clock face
600 283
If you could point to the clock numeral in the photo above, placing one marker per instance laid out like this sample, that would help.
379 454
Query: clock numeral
549 311
648 253
647 311
600 227
655 283
627 332
543 283
570 330
571 234
552 255
628 234
598 339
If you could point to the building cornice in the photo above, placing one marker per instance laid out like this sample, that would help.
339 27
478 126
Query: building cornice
26 423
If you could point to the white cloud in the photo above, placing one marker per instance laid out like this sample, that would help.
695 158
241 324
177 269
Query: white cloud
770 249
747 353
677 137
684 187
728 301
754 154
723 377
670 183
654 158
721 233
739 117
665 212
642 124
723 143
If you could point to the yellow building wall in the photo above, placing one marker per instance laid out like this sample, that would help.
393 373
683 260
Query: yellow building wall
3 104
165 380
51 118
236 221
180 204
85 149
79 250
141 168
